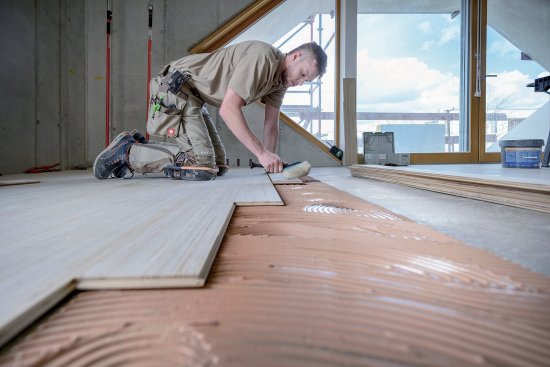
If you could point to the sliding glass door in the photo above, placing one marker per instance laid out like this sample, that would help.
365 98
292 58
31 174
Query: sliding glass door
411 72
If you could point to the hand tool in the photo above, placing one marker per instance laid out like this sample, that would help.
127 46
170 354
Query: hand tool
188 173
292 170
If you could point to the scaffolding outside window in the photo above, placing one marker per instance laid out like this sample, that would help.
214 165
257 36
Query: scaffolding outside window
289 25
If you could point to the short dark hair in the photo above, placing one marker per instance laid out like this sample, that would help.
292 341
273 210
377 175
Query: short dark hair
316 51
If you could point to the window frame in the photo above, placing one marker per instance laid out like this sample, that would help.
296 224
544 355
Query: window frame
246 18
476 112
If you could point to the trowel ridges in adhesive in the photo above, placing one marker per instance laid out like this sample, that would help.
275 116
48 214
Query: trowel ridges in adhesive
297 288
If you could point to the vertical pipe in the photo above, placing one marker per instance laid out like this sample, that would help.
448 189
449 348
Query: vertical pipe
149 47
311 39
108 76
318 80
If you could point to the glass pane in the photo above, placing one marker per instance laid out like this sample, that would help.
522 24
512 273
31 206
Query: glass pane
514 110
291 24
409 75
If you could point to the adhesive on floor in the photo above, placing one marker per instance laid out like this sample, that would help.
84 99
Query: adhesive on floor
296 288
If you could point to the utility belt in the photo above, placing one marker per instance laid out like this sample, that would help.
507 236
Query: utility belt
169 93
177 82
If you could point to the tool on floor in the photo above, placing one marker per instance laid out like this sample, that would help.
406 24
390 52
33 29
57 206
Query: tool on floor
188 173
40 169
335 151
379 148
292 170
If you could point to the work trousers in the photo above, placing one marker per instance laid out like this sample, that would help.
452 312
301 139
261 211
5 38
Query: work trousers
184 117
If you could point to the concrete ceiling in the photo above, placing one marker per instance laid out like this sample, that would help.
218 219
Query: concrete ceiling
526 24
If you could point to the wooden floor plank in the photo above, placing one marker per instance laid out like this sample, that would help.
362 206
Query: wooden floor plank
499 185
145 232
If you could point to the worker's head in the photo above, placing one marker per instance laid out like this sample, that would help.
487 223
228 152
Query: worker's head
304 64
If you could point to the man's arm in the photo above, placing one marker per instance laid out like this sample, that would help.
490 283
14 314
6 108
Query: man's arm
232 114
271 127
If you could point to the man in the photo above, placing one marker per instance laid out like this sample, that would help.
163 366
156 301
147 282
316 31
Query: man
229 78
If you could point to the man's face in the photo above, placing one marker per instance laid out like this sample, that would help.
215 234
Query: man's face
300 70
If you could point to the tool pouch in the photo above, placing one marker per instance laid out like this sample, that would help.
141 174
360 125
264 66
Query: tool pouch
166 103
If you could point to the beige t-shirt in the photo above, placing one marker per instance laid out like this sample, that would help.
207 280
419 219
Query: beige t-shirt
253 69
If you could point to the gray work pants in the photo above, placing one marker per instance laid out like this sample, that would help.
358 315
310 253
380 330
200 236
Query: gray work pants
185 118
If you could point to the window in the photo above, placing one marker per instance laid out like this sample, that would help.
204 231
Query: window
289 25
409 73
514 110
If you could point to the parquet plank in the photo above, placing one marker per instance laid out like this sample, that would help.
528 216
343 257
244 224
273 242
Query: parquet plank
146 232
530 191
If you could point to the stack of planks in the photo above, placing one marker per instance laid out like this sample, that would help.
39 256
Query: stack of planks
527 195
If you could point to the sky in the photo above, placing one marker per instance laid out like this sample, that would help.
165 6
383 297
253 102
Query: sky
414 65
411 63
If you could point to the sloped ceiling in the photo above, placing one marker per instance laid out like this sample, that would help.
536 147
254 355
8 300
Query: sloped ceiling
285 17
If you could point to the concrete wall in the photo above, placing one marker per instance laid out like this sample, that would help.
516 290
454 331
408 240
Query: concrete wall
292 146
53 75
17 84
177 25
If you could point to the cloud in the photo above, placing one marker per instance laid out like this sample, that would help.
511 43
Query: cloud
448 34
503 48
427 45
508 91
425 27
404 84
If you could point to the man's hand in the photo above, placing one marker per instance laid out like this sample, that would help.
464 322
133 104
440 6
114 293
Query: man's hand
271 162
231 113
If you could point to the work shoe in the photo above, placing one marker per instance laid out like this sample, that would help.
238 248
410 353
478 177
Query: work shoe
222 169
120 172
138 136
114 159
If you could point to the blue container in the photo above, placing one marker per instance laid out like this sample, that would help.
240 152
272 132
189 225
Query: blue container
521 153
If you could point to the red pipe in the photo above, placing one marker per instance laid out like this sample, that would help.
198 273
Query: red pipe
108 77
149 47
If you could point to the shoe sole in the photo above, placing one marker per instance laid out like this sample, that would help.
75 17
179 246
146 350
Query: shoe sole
115 141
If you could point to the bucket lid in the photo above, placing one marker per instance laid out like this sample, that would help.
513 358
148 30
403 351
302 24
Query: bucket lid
522 143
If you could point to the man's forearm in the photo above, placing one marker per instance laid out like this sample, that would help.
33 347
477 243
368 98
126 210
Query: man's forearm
271 128
236 122
232 114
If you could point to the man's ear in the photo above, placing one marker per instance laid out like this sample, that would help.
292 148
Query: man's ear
296 55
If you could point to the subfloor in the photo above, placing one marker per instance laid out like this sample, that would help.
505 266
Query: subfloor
327 280
519 235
